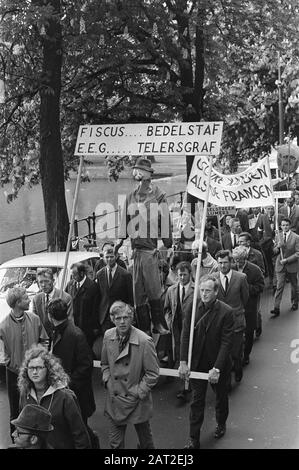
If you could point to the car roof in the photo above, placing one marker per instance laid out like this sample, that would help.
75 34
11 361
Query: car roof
56 259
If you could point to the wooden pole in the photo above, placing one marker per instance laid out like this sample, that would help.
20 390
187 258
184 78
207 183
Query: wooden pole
219 228
204 216
68 246
280 104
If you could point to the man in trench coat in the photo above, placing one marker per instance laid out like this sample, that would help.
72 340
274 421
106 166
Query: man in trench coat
130 370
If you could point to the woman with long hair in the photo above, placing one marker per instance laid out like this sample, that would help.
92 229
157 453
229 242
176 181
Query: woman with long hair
43 381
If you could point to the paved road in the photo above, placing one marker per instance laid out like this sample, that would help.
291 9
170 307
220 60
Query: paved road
264 407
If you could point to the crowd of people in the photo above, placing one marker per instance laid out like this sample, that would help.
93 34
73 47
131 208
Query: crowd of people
136 318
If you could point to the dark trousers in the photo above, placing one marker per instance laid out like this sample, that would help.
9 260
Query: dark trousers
237 350
117 435
249 336
13 396
197 407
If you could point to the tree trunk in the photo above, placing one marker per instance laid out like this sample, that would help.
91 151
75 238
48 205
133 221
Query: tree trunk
51 160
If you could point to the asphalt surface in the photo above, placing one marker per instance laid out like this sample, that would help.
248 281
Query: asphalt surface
264 407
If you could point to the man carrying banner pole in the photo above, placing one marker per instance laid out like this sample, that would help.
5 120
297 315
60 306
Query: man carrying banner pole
210 350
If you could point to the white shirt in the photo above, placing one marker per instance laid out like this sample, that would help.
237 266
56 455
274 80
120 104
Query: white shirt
287 235
81 282
233 239
112 271
186 287
222 278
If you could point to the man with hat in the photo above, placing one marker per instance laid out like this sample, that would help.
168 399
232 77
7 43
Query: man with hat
145 218
32 428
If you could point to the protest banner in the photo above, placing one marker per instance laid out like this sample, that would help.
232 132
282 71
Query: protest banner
251 188
150 139
282 194
217 210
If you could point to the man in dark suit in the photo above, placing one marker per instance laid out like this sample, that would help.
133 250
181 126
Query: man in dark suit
86 298
101 262
253 255
234 291
230 239
48 292
70 346
291 211
213 336
115 283
287 248
266 232
177 297
256 285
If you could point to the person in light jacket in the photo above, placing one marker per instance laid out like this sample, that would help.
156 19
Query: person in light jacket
130 371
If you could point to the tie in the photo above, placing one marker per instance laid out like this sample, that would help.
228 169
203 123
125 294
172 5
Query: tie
235 241
226 284
183 294
110 277
285 237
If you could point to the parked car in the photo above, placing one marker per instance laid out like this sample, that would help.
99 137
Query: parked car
22 272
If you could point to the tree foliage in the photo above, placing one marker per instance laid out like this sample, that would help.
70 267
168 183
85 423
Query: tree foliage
148 61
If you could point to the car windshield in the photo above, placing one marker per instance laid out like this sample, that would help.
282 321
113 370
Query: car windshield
21 277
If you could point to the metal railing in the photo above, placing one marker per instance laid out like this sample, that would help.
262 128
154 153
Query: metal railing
90 236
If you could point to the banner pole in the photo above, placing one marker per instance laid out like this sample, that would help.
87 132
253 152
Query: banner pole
203 223
68 246
275 204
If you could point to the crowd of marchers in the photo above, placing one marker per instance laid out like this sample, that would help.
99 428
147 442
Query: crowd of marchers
135 317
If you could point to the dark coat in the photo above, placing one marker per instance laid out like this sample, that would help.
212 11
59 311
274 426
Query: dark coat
101 264
256 257
69 430
216 339
170 312
71 347
227 241
85 306
236 297
256 283
213 246
121 289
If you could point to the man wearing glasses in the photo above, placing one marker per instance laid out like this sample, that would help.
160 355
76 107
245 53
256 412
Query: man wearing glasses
130 370
32 428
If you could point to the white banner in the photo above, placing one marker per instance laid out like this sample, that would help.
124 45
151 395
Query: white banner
185 138
251 188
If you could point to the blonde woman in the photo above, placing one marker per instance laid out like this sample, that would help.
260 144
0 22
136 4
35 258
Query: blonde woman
43 381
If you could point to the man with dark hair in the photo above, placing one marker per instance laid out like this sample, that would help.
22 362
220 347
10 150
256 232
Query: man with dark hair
70 346
18 331
115 283
230 239
256 285
32 428
48 292
176 299
130 371
145 219
213 336
86 299
253 255
287 247
101 263
234 291
291 211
